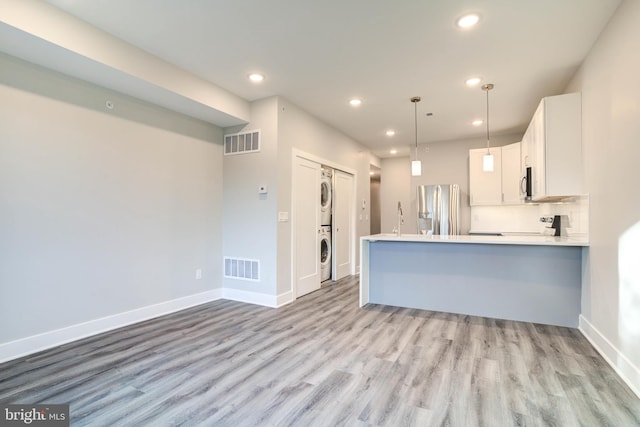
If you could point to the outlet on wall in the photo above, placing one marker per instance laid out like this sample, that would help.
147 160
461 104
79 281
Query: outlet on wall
198 273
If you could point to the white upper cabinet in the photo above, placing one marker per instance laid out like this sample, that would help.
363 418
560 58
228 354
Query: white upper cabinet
500 187
552 147
511 174
485 188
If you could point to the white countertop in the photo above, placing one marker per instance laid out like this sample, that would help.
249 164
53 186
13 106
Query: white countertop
518 239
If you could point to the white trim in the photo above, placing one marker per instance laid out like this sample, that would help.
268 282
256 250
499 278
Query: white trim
29 345
629 373
292 229
285 298
321 160
266 300
249 297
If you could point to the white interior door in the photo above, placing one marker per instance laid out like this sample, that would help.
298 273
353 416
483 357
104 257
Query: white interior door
306 216
342 224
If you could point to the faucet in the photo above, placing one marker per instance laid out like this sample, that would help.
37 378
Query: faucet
400 220
559 224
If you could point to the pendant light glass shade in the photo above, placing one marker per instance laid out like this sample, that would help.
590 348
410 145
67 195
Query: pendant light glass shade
487 162
416 168
487 159
416 165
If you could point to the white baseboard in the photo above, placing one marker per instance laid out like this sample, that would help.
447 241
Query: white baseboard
266 300
249 297
629 373
284 299
33 344
29 345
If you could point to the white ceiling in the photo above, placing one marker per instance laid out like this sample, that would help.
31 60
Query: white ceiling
319 54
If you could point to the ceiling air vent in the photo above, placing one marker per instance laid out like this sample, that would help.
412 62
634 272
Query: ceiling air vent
242 143
244 269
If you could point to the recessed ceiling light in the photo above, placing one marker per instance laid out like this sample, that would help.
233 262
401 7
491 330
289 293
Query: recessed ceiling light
473 81
256 77
355 102
468 21
477 122
393 151
391 132
372 173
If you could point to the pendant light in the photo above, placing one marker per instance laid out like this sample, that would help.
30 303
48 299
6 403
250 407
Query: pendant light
416 165
487 159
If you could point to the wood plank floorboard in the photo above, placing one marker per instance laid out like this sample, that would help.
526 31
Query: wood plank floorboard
323 361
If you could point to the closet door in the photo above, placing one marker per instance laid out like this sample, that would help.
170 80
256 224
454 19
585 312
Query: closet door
343 224
306 195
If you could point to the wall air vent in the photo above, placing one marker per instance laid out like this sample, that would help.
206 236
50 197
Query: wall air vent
242 143
243 269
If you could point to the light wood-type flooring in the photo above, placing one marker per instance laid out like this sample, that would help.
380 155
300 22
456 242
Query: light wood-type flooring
323 361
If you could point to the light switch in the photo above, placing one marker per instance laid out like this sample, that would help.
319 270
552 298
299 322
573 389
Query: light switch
283 216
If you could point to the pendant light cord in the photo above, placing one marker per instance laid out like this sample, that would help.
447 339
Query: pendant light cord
488 122
487 88
415 101
415 109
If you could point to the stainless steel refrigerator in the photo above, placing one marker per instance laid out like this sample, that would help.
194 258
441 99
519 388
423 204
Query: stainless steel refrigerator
438 209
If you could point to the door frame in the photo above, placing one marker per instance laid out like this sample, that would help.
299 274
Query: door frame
322 161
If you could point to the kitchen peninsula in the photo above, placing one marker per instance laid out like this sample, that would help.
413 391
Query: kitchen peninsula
526 278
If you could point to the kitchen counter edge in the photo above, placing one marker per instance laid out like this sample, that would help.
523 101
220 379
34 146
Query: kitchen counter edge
484 240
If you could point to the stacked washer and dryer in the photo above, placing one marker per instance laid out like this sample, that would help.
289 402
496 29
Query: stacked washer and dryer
326 198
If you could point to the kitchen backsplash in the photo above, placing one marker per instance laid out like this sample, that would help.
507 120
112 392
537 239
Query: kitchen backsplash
526 218
576 209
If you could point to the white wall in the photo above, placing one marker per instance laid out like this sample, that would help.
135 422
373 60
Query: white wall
249 218
395 186
610 89
101 211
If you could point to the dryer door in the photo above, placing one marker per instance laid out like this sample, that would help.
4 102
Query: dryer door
325 194
325 251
